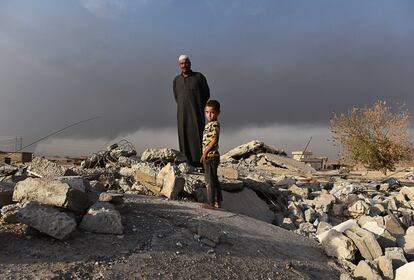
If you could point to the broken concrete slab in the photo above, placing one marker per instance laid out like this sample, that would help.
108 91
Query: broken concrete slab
47 219
342 227
367 270
383 236
393 225
358 209
47 169
385 268
365 241
407 192
163 156
396 254
337 245
146 174
227 172
250 148
287 163
75 182
247 203
51 192
102 217
170 181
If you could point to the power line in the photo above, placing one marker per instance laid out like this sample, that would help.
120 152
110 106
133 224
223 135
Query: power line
53 133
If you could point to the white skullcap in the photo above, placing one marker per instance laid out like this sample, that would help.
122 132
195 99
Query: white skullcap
183 57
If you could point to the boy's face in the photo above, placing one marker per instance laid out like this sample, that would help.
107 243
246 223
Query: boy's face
211 113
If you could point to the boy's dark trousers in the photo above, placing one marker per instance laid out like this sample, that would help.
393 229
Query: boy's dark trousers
213 186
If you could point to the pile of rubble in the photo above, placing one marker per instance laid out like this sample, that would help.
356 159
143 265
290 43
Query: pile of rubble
367 226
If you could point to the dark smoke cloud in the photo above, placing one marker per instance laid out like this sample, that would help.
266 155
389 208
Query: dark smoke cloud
267 63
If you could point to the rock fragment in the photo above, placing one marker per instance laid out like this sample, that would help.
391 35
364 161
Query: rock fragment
335 244
102 217
365 241
366 270
51 192
47 219
170 182
396 254
163 156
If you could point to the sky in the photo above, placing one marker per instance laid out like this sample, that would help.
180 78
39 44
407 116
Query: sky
279 68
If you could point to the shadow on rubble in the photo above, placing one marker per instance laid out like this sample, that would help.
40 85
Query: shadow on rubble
157 226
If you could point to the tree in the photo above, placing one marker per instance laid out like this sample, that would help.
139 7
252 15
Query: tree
373 136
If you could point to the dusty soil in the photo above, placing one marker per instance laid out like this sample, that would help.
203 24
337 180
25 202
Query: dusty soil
159 243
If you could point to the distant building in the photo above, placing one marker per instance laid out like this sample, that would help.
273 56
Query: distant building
15 157
319 163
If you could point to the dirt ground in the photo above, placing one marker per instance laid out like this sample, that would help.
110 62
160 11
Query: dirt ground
159 243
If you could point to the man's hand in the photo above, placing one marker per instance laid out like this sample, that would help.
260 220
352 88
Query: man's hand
203 157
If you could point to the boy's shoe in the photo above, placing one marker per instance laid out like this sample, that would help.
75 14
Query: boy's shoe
217 205
207 206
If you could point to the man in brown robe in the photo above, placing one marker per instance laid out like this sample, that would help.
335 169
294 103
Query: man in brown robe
191 92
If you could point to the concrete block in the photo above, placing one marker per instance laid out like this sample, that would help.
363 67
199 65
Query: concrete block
385 267
396 254
365 241
102 217
47 219
367 271
335 244
51 192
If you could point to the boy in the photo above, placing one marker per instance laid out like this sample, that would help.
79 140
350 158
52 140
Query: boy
211 157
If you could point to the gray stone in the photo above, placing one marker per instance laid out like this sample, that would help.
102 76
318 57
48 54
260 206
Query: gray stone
116 198
345 276
338 209
385 267
47 219
163 156
396 254
358 208
306 228
383 236
170 182
102 217
47 169
250 148
287 163
228 172
302 192
295 212
9 213
323 227
231 185
146 174
335 244
6 192
51 192
367 271
288 224
365 241
310 215
248 203
393 225
322 202
75 182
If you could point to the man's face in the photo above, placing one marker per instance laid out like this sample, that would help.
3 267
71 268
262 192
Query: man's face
185 65
211 113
